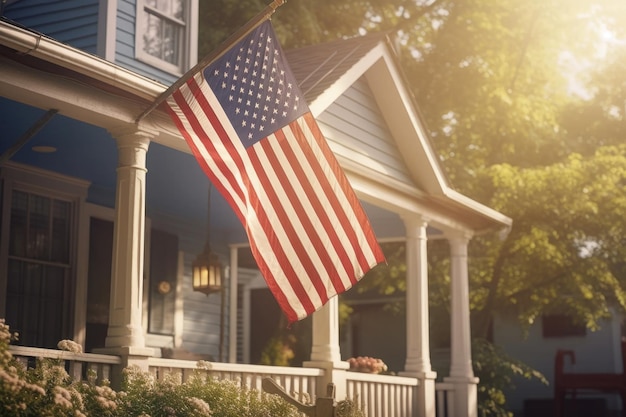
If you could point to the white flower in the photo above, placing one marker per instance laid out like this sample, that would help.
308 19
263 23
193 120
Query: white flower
70 346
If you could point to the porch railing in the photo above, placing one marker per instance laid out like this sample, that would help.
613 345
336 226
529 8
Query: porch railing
383 395
77 365
300 383
444 399
378 395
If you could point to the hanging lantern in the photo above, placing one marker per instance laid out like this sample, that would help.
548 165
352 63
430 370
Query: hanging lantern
207 272
207 269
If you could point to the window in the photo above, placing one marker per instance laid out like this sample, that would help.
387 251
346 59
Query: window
163 36
558 325
39 219
38 273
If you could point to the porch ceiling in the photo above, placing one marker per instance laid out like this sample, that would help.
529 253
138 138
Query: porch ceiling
175 185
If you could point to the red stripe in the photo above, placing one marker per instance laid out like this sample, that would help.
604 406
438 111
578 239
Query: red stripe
198 132
267 273
337 207
274 240
223 137
363 221
302 146
292 235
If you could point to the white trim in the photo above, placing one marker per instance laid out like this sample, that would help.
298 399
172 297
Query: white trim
39 46
232 305
145 279
107 19
250 279
188 49
179 302
82 268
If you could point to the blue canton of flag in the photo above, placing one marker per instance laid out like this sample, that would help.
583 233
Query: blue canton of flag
256 88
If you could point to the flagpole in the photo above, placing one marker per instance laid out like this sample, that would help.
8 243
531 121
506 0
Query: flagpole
252 24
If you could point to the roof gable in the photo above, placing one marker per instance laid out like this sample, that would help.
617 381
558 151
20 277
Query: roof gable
328 71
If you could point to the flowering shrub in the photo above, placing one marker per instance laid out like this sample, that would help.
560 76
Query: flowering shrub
367 365
47 390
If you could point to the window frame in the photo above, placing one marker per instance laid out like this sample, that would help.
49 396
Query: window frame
18 177
559 326
189 44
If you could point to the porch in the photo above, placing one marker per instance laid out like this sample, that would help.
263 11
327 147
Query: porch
377 395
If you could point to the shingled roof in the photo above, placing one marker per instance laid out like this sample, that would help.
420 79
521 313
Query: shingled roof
317 67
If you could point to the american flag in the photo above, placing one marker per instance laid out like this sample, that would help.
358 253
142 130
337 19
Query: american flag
252 133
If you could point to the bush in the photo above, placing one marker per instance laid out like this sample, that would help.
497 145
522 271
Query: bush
47 390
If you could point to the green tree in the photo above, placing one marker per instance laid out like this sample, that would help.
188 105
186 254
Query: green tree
565 251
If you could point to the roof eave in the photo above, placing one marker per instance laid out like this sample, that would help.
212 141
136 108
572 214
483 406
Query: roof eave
30 43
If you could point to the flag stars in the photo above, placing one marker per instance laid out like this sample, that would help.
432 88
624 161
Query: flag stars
256 89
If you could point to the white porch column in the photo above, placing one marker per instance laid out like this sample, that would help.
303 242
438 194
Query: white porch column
417 332
125 334
325 351
461 371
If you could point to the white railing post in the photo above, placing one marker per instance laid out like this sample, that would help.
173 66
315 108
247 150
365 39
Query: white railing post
418 339
325 352
461 372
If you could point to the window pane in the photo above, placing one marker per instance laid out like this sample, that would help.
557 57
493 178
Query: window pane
164 30
171 36
162 39
37 292
38 230
173 8
60 232
19 212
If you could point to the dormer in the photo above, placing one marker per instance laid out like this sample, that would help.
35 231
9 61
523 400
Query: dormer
155 38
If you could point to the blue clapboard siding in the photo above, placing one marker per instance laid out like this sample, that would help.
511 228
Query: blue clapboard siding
125 44
74 22
356 130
